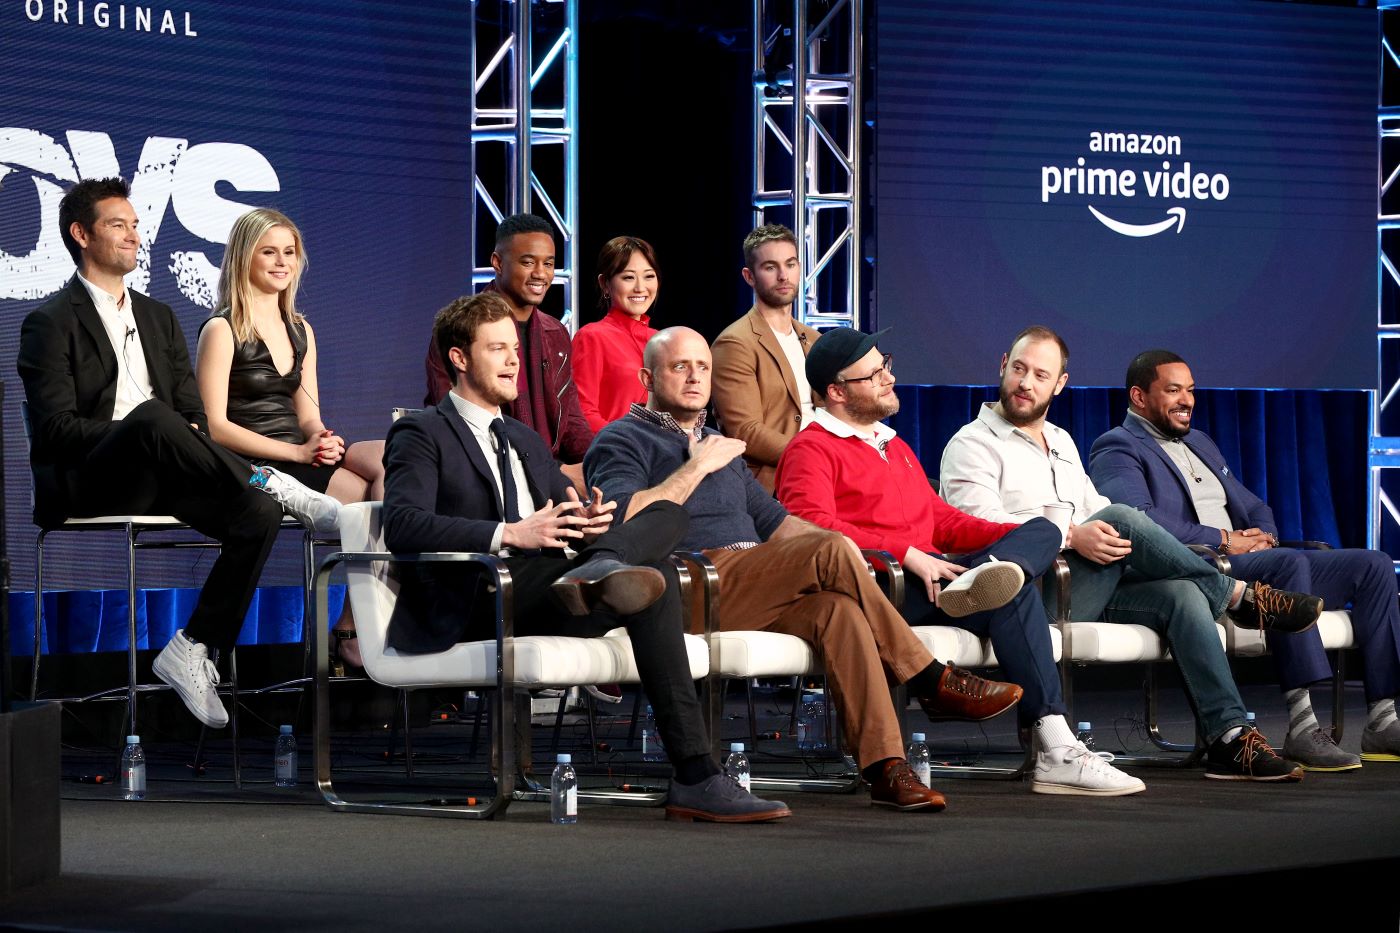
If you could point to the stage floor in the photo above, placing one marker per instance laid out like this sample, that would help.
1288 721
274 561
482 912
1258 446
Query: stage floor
203 855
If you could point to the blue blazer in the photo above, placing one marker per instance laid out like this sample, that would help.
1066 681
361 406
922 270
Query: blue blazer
1129 466
440 495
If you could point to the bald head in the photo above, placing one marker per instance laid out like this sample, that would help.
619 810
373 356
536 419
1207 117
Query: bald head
676 373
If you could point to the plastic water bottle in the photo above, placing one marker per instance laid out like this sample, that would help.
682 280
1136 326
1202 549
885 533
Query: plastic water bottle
737 764
920 759
1249 722
811 723
285 758
563 791
652 749
1085 734
133 769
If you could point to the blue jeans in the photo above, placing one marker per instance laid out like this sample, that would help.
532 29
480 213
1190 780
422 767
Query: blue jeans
1365 580
1020 630
1165 586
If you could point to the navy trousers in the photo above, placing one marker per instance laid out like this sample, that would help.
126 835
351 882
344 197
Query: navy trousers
1020 630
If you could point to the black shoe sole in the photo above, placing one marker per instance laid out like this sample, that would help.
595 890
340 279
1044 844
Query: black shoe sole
625 590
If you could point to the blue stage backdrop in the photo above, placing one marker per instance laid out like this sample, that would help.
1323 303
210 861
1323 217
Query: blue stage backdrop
351 117
1194 174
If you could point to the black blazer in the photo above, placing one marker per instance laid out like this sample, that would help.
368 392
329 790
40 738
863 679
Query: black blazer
439 495
69 371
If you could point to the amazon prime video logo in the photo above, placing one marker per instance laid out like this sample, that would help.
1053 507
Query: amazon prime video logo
1108 185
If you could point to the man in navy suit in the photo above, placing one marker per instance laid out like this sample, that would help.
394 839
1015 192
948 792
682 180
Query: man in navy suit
1156 463
117 427
462 477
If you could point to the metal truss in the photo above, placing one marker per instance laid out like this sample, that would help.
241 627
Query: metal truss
525 130
1384 449
807 145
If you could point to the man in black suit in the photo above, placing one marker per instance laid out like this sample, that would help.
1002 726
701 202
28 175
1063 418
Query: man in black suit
461 477
118 428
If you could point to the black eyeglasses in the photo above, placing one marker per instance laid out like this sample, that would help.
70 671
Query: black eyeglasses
886 367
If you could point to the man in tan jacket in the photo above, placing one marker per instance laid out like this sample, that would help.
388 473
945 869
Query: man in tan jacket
760 384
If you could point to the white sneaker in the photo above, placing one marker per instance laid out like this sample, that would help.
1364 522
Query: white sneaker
986 586
1073 769
315 510
185 666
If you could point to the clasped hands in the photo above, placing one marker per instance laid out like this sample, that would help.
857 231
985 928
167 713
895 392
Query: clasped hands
555 526
324 448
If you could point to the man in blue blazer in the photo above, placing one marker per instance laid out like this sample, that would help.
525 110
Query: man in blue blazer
462 477
1156 463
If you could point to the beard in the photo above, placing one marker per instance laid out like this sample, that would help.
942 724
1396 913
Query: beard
1167 426
490 390
872 410
1018 419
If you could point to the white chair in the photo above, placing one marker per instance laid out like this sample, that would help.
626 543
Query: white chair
505 663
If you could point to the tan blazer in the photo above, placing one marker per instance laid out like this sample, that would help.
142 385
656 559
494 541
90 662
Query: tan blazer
755 394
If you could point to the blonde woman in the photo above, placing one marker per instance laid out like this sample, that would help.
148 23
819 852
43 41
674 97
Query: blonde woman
256 370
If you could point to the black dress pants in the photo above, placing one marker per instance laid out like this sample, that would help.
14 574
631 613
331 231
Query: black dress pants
657 632
153 462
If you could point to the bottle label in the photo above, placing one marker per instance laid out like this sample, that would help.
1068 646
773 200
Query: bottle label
286 766
571 802
744 781
134 779
924 773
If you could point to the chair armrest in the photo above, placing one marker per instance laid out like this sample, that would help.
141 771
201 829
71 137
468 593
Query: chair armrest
1062 596
894 583
703 569
1215 555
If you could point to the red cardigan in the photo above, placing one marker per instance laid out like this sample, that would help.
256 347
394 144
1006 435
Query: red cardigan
842 483
607 355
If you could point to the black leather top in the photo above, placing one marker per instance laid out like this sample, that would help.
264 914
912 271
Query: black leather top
259 397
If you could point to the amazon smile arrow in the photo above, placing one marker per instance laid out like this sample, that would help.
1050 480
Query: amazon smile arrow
1178 220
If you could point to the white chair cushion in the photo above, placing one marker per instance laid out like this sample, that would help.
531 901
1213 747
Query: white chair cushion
540 660
1114 643
959 647
761 654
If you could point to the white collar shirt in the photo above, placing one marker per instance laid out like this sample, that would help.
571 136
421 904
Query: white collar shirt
879 439
133 377
994 470
478 421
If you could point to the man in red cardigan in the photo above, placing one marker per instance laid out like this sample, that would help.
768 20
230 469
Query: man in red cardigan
849 472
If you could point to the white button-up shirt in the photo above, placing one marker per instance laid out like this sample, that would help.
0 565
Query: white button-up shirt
478 421
994 470
879 439
133 377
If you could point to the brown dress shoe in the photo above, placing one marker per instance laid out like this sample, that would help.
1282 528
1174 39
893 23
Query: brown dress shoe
963 695
898 787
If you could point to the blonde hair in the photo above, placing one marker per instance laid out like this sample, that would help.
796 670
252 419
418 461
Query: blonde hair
235 288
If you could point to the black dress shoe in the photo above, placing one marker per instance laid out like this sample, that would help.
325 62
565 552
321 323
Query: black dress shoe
1271 610
604 583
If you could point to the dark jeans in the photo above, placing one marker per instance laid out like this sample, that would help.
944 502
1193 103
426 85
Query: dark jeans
657 632
1364 580
153 462
1020 630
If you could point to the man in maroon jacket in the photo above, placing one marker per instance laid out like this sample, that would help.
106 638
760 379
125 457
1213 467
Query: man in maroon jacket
848 472
548 401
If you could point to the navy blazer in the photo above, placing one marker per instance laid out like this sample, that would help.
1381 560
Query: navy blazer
69 371
1129 466
440 495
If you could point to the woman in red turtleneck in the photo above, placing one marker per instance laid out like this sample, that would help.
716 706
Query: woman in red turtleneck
608 353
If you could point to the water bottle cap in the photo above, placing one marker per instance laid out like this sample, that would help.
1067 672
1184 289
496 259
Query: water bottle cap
133 740
285 730
736 746
1249 717
917 736
563 758
1085 727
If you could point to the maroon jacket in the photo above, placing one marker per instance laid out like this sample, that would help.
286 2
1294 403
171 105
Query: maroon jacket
548 400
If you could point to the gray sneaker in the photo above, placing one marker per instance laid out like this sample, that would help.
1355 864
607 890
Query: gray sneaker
1382 745
1316 751
185 666
315 510
720 799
